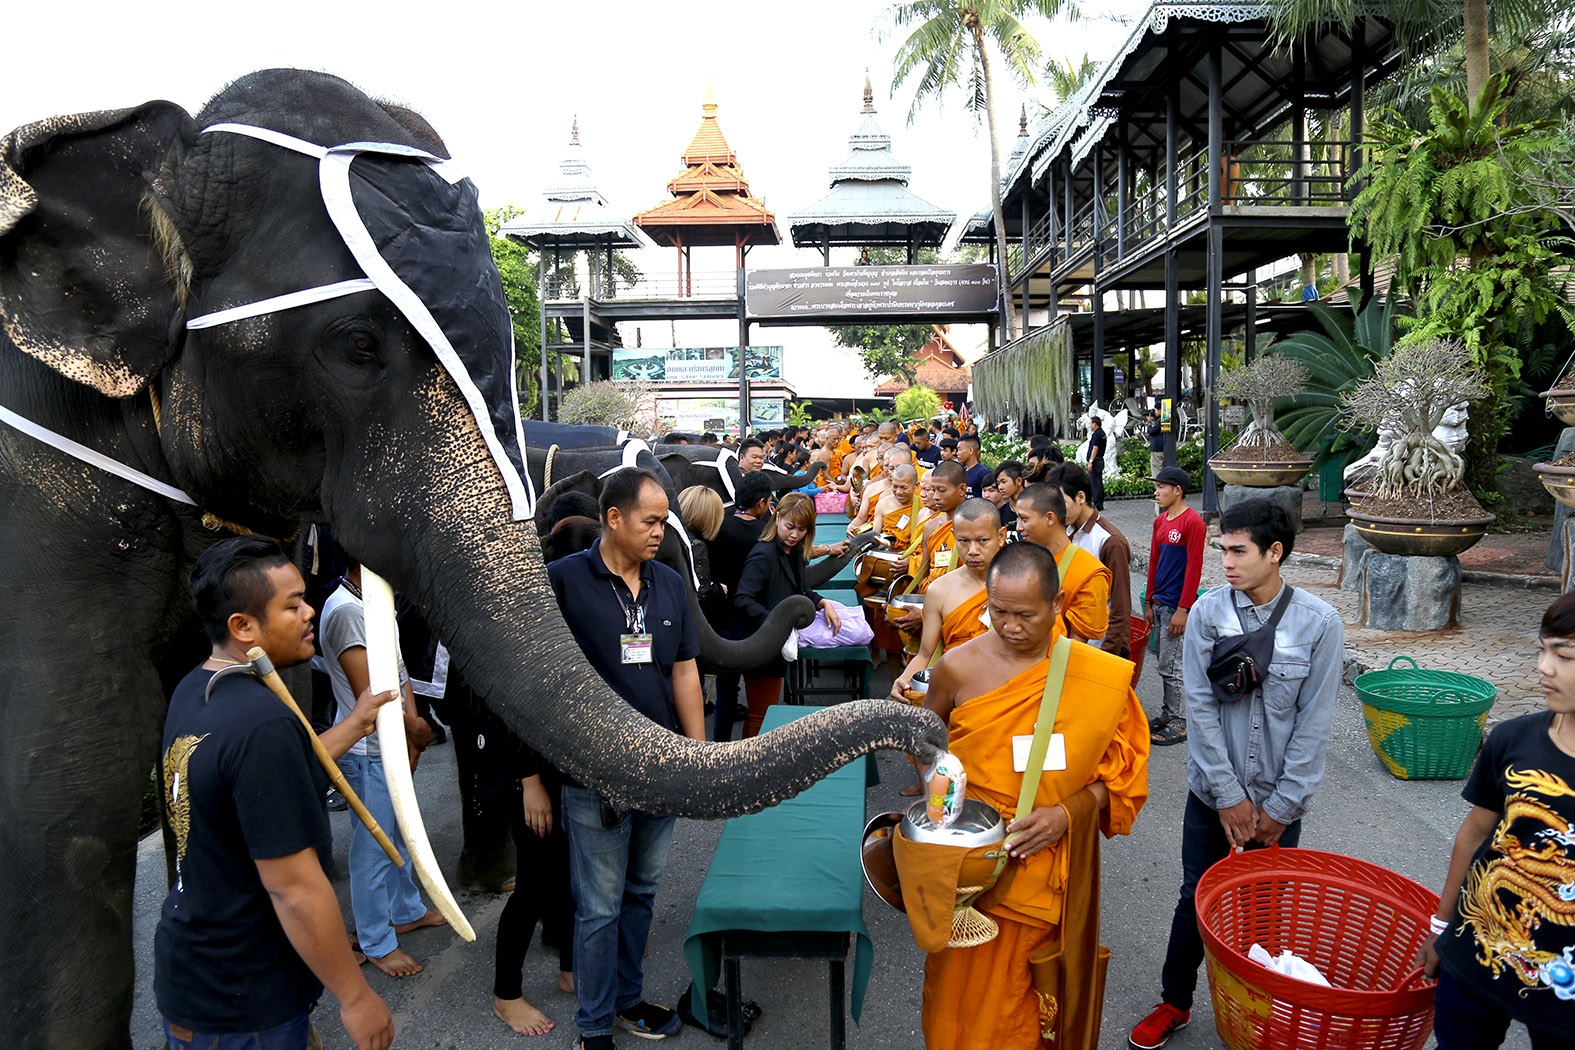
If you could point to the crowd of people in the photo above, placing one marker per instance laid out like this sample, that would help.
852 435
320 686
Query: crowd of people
1021 595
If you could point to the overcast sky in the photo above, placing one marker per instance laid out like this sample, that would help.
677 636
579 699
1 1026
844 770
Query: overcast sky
502 84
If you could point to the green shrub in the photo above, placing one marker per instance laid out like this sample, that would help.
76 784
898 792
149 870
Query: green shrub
994 449
1124 485
916 402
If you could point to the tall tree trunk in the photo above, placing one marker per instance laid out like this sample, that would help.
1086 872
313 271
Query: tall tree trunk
1477 60
1342 261
995 182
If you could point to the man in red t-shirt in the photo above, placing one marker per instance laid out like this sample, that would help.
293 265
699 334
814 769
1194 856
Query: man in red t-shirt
1175 564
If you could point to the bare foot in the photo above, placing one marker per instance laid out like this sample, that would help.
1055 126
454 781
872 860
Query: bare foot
566 982
911 791
433 917
521 1016
396 964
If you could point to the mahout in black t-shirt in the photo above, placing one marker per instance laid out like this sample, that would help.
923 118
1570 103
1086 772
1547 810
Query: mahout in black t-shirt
1512 939
241 785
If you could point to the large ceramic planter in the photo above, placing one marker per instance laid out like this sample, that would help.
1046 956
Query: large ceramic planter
1266 474
1562 404
1419 536
1559 481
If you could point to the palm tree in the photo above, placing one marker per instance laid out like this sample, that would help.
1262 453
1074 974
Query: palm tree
1423 27
948 46
1066 78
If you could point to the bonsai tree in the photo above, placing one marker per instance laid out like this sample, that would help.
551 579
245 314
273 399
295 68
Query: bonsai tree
623 403
1259 384
1410 393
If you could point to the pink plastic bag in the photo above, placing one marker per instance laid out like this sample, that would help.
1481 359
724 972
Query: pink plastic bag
831 503
855 629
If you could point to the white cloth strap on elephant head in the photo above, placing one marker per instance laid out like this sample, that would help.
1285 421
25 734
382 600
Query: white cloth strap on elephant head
720 466
413 223
629 460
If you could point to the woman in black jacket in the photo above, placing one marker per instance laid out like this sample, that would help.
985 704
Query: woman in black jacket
774 572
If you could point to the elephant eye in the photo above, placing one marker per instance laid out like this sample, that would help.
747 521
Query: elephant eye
362 346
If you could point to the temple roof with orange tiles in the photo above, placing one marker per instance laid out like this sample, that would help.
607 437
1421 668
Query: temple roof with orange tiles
711 204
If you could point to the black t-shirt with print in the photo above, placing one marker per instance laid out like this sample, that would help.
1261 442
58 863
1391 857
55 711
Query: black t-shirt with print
1513 935
241 785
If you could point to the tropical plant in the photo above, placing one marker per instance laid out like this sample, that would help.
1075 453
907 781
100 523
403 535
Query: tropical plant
948 48
1031 379
886 350
917 402
1336 359
622 403
995 449
1259 384
1066 77
517 270
1485 263
798 414
1409 394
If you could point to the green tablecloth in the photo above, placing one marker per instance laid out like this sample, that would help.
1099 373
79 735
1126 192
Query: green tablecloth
794 867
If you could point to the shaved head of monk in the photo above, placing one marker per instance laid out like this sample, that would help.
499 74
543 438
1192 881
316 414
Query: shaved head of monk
903 479
1025 597
978 533
950 482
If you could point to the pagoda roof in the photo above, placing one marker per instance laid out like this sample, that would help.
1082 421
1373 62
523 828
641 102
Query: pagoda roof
711 204
940 367
573 213
869 202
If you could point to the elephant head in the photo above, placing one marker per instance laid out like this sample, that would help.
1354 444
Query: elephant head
339 410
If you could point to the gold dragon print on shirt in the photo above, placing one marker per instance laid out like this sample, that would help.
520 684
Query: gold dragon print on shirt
1531 884
177 800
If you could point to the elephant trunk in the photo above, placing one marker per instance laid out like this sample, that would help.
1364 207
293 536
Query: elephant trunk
821 572
446 539
729 655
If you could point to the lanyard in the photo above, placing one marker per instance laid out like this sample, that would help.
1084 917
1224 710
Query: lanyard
633 616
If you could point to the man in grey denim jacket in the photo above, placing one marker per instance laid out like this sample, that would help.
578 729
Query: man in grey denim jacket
1255 762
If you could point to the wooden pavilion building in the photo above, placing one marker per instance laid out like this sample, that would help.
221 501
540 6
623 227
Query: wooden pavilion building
711 205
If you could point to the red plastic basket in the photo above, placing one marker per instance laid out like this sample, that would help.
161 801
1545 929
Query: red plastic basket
1360 924
1139 647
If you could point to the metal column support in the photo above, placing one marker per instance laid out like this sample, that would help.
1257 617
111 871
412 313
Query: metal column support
1123 190
1251 335
1066 190
1214 326
1172 349
585 342
541 303
1023 266
1096 374
743 368
1299 126
1358 132
1172 148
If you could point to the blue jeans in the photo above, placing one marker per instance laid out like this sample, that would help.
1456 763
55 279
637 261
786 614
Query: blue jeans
381 895
1203 844
288 1036
614 873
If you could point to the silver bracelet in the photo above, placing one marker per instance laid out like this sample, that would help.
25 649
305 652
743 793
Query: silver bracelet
1437 925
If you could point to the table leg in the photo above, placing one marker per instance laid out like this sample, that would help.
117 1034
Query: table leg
838 1025
735 1006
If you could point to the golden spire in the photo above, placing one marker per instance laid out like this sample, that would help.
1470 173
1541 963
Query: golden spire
869 95
708 103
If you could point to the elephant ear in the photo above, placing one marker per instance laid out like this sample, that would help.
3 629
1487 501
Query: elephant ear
86 284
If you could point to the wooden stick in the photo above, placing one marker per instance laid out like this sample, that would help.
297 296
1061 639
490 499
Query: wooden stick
270 678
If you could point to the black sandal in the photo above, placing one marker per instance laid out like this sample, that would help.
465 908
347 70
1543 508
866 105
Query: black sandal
1169 735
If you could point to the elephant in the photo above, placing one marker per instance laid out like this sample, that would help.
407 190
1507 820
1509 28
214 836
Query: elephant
134 436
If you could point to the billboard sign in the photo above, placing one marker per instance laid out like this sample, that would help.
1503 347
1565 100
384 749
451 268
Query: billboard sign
849 292
696 364
720 414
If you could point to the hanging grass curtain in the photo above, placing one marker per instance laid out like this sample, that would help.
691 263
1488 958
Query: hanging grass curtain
1029 379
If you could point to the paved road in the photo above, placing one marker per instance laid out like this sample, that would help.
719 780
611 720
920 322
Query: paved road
1362 811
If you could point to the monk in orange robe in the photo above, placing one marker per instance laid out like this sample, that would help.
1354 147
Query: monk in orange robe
1046 899
1041 519
896 515
954 606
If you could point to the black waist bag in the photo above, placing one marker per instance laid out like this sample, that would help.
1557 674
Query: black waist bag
1241 662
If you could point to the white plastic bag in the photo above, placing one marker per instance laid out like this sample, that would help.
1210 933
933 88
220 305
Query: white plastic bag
1288 963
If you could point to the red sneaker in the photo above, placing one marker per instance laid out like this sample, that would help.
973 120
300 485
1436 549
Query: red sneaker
1156 1029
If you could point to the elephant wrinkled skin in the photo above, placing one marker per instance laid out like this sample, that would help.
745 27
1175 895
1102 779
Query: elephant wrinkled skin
115 227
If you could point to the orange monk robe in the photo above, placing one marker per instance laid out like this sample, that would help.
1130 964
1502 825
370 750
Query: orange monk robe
983 998
1086 581
936 558
966 622
837 455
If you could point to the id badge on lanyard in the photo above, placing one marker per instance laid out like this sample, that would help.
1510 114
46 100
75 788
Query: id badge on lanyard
634 645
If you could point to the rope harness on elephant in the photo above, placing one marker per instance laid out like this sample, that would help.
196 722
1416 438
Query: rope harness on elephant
552 454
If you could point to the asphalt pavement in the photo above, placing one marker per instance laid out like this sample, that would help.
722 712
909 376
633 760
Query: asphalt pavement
1361 811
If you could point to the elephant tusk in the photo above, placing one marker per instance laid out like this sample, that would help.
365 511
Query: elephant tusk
383 670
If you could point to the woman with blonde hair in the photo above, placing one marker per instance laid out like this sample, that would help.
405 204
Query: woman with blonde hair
774 572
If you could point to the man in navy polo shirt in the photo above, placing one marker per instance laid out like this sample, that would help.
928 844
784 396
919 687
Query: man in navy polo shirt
630 616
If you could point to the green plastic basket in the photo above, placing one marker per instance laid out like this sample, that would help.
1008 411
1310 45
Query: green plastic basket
1424 725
